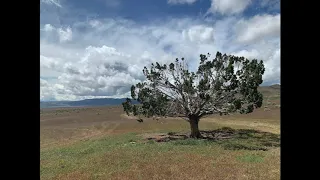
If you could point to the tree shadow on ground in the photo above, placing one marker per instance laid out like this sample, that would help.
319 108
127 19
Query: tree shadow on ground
230 139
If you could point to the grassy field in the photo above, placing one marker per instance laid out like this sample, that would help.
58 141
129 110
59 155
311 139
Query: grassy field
103 143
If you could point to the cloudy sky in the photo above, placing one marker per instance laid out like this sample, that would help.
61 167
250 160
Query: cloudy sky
97 48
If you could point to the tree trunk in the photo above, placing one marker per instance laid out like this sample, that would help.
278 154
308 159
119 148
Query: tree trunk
194 124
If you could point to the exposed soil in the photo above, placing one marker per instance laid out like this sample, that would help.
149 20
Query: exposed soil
224 133
251 139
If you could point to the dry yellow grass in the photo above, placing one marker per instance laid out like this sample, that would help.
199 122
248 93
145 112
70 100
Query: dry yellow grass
98 146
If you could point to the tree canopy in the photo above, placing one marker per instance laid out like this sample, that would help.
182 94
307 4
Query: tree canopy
223 85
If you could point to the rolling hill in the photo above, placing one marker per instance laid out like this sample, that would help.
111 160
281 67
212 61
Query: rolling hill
265 90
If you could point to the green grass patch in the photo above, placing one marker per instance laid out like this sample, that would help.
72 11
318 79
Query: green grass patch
250 158
104 157
247 139
80 155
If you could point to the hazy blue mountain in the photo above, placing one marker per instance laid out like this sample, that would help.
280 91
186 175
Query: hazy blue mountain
82 103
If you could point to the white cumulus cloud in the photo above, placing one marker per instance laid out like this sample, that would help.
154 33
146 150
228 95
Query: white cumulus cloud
229 7
200 34
103 57
65 34
54 2
258 27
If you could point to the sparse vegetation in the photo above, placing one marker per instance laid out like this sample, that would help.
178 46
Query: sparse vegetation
128 156
251 158
114 146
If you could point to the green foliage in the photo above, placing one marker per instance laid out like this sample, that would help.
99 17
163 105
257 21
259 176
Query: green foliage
223 85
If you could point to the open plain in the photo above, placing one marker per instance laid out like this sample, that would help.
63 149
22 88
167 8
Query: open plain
104 143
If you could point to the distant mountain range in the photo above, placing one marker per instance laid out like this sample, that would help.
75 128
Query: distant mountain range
113 101
83 103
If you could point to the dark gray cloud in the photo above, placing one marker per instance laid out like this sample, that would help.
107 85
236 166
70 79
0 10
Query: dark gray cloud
117 66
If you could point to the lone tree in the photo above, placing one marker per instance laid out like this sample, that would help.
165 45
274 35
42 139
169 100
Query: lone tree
226 84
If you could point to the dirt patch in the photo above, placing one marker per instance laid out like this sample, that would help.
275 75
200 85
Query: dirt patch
230 139
128 117
164 137
218 134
